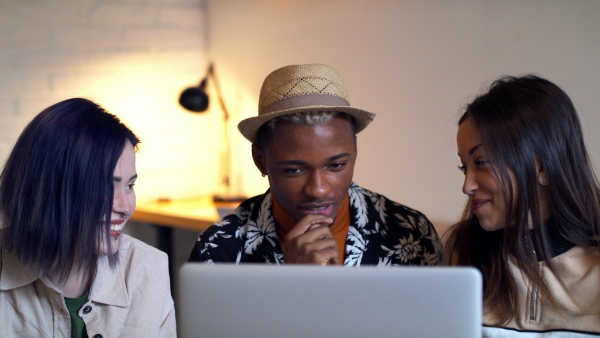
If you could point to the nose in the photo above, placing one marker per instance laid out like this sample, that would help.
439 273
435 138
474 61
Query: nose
317 185
469 185
123 203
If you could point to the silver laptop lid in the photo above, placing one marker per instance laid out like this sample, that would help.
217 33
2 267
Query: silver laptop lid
313 301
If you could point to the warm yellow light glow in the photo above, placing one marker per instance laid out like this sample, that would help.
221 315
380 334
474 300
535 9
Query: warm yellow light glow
179 153
241 103
178 156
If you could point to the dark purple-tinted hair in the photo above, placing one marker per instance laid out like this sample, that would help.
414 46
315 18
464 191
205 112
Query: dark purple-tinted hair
56 188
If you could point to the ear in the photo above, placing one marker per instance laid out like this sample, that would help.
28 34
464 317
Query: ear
542 178
259 158
541 175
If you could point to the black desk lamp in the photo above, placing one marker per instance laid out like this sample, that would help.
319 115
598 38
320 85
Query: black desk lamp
195 99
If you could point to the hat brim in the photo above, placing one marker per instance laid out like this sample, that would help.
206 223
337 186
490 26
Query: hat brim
249 127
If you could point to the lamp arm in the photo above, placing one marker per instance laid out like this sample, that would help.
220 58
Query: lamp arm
226 156
211 73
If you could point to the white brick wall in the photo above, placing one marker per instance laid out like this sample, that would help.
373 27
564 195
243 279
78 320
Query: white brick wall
132 56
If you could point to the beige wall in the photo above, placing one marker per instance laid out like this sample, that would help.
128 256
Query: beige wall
414 63
132 56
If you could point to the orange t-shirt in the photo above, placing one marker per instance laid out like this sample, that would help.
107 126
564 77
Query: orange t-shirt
339 229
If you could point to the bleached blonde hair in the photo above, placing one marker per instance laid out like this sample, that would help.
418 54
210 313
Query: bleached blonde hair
311 118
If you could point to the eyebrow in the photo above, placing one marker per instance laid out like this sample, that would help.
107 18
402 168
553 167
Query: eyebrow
338 156
475 148
119 179
300 162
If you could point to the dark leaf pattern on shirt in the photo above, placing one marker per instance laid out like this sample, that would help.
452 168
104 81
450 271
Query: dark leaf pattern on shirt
381 233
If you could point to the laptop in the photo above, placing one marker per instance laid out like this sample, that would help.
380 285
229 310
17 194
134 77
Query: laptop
250 300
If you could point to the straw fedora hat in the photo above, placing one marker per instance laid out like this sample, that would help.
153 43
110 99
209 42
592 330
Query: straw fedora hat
302 88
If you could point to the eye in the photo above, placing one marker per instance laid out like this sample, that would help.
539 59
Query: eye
337 166
292 171
130 186
462 168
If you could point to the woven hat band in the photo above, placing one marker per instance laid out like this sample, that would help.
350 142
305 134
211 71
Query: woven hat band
305 101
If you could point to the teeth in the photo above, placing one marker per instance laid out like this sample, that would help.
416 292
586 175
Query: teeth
319 208
116 227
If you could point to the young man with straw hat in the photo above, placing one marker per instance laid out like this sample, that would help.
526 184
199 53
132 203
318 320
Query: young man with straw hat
304 141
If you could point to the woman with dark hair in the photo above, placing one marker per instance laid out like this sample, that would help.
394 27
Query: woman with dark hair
531 225
66 192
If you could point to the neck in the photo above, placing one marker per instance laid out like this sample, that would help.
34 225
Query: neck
76 285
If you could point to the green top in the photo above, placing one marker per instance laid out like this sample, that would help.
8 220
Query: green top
77 323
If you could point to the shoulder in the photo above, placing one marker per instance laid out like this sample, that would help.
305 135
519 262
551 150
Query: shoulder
134 252
130 244
401 211
582 253
402 232
12 273
247 210
366 203
224 240
408 214
583 262
251 202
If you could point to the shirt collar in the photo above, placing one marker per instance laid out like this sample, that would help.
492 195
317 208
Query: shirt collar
109 286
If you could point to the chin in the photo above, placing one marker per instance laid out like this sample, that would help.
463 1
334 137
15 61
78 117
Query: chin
106 253
490 227
103 251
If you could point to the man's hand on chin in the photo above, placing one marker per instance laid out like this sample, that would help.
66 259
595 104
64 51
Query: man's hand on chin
311 242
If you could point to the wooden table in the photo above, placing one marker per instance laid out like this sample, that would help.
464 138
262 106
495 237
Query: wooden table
190 214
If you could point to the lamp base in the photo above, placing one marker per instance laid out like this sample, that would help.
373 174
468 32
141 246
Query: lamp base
228 198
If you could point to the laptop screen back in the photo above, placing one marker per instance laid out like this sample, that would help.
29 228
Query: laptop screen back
313 301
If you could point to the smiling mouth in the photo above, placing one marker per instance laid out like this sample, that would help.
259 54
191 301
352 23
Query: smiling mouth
116 227
478 204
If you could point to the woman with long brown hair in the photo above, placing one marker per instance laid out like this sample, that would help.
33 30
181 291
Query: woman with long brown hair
531 224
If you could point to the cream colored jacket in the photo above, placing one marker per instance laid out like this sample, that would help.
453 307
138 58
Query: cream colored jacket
131 300
577 293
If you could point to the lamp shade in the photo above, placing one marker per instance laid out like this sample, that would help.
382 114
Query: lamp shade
195 98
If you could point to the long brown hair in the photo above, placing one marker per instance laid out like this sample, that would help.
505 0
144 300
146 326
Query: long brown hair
521 121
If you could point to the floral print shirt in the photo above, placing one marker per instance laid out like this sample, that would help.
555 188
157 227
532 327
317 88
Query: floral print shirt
382 233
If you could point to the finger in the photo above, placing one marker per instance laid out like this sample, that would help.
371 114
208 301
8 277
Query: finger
319 233
320 245
308 221
298 244
323 257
